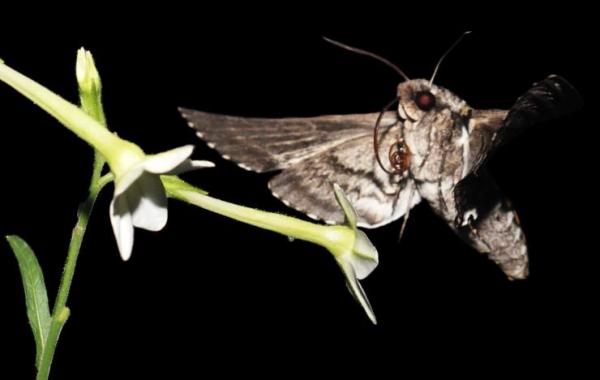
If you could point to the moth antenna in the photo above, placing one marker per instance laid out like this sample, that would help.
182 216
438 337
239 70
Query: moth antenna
446 53
368 54
376 134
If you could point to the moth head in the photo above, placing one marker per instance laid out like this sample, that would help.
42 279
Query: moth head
419 101
434 120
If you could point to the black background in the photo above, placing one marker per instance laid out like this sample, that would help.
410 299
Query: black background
208 293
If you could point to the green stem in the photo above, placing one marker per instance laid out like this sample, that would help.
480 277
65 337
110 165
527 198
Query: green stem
91 104
61 312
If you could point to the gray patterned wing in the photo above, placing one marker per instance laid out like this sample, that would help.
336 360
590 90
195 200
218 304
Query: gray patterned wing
548 99
313 153
379 198
264 145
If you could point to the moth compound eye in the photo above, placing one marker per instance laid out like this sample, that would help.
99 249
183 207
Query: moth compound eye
425 100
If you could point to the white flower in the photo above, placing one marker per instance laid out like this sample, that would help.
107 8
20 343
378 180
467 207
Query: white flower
139 199
359 260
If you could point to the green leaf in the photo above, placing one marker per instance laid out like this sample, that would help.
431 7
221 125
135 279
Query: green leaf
36 298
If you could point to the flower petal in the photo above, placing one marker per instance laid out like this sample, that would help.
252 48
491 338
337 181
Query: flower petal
120 218
189 165
356 290
123 182
364 258
164 162
148 202
346 206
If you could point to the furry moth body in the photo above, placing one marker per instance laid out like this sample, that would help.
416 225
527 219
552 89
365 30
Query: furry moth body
447 142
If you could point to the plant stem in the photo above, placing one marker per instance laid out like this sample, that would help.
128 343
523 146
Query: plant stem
61 312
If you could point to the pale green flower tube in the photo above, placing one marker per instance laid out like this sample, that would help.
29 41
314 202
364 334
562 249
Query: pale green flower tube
354 253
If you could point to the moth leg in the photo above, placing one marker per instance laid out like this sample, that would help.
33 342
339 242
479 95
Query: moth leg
406 215
486 220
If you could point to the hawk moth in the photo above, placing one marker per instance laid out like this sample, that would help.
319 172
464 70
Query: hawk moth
439 143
